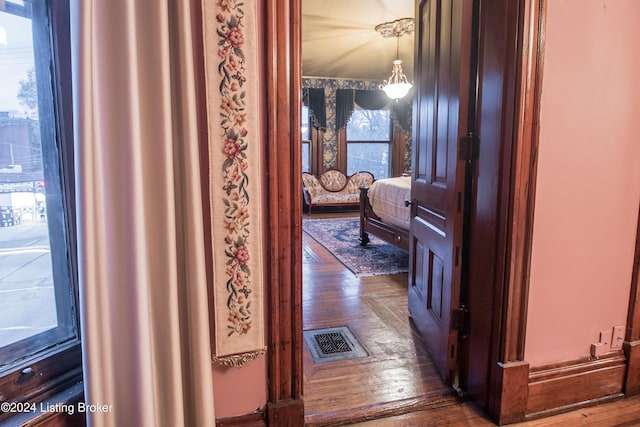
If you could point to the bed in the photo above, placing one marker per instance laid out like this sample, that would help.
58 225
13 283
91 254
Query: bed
385 212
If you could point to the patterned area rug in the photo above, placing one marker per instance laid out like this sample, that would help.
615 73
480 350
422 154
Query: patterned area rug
340 236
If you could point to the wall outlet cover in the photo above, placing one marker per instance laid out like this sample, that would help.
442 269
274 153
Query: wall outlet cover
599 349
617 337
605 337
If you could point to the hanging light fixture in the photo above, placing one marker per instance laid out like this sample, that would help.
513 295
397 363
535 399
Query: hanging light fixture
397 86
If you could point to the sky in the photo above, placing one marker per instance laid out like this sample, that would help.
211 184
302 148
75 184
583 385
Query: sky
16 57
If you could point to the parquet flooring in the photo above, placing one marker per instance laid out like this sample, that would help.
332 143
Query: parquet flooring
397 384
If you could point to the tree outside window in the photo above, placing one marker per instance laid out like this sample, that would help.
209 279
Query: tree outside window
369 142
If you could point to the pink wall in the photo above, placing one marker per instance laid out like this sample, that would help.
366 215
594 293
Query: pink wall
588 186
239 391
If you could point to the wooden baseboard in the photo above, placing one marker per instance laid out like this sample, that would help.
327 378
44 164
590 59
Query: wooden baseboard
256 419
286 413
511 397
632 352
561 387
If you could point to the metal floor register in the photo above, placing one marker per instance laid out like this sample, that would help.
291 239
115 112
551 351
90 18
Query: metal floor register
333 344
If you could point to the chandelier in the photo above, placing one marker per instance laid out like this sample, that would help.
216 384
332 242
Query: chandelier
397 86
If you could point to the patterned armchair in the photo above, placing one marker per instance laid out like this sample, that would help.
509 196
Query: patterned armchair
333 188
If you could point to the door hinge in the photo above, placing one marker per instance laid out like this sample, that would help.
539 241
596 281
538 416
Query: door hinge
460 320
469 147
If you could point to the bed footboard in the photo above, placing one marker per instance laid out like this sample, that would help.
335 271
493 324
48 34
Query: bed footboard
371 223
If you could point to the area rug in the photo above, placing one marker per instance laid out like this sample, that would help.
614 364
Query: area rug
340 236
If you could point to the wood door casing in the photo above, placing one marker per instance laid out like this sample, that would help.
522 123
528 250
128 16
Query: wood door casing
442 68
505 72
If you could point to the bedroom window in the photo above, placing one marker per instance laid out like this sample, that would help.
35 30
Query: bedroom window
306 140
369 140
39 333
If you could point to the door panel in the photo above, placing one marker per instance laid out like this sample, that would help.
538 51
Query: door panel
443 30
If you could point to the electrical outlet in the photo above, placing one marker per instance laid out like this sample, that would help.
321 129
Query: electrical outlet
603 345
605 338
617 337
598 349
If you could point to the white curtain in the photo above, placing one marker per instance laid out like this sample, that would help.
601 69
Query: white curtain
143 292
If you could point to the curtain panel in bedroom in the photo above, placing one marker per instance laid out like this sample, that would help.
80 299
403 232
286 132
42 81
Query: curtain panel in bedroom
314 98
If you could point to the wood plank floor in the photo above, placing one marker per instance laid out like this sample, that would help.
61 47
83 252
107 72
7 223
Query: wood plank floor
397 383
397 376
624 412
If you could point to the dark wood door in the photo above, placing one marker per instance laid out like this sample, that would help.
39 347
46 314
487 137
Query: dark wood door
441 104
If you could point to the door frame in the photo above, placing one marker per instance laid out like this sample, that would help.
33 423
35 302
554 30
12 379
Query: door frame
631 344
502 389
503 383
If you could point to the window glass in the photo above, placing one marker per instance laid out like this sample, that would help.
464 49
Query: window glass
372 157
36 295
369 125
369 142
306 163
304 124
306 139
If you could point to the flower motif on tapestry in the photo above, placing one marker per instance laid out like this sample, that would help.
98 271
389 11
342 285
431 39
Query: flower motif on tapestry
234 146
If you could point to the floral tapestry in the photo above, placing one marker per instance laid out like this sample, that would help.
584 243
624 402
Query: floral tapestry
232 76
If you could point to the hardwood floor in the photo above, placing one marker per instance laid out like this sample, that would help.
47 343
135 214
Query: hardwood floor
397 384
398 376
624 412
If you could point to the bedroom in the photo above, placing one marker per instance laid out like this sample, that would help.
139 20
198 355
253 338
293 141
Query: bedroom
348 123
358 59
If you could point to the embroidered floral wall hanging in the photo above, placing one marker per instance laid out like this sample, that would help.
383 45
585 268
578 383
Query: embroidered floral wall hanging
232 80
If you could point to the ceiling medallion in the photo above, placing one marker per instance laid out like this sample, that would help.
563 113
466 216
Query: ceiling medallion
396 28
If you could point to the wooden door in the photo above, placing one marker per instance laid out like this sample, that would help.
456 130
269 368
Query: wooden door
441 104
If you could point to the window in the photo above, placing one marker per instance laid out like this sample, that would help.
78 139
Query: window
369 142
306 140
39 333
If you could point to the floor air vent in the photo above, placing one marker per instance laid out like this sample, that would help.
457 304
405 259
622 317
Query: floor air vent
333 344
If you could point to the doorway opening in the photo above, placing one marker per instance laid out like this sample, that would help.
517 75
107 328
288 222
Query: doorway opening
398 371
508 69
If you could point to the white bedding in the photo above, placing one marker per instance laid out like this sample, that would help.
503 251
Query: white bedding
387 197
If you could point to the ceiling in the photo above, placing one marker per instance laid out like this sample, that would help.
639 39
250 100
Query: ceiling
339 39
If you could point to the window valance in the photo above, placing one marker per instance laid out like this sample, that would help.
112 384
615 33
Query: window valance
347 99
